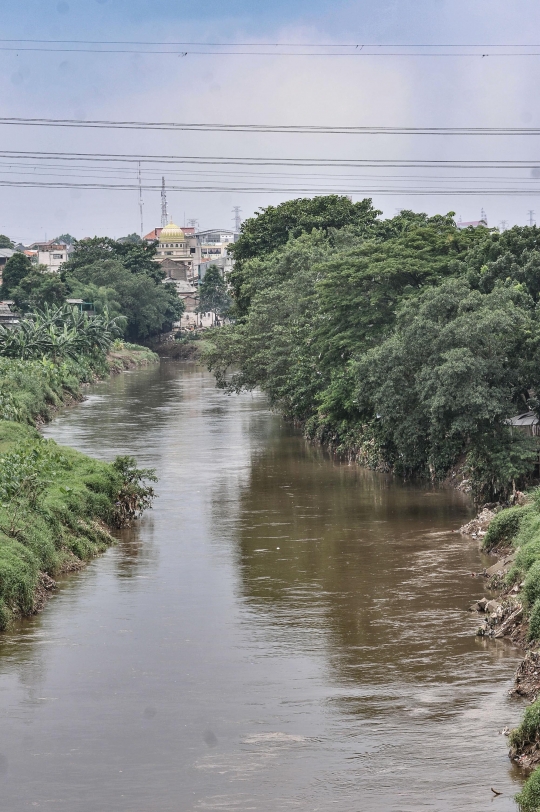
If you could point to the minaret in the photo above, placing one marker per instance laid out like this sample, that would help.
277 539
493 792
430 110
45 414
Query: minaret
164 217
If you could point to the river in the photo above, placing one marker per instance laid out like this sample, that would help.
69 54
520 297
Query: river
282 631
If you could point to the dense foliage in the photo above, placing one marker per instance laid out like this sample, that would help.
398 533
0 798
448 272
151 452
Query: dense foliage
408 341
53 505
213 296
124 279
59 333
15 270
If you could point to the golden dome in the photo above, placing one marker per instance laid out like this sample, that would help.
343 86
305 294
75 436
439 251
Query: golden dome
172 233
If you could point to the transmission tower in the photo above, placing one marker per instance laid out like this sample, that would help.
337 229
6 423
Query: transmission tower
483 216
164 215
237 219
193 223
503 225
140 201
531 217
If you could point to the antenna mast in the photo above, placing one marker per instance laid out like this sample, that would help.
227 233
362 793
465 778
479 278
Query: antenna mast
164 216
141 202
237 219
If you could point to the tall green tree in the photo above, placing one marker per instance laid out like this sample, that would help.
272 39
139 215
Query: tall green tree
147 306
136 257
273 226
16 268
5 242
38 289
213 296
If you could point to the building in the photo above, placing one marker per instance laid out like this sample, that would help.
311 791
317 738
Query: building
51 254
153 235
527 422
7 318
5 254
177 252
472 224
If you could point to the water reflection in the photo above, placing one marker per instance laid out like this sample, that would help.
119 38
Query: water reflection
281 632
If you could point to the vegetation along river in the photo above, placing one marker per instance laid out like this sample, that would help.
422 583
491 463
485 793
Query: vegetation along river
282 632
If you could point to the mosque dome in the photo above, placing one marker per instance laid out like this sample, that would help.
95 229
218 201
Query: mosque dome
171 233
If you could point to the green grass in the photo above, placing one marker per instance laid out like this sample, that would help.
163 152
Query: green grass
68 518
31 391
528 731
529 797
504 527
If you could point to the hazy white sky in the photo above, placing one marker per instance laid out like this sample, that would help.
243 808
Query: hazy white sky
411 91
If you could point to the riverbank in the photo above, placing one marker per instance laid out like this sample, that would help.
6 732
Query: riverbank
513 535
31 391
57 506
57 510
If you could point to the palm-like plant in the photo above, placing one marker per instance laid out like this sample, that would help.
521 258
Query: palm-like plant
59 332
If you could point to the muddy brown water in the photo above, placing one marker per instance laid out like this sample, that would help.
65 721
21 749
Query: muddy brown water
282 632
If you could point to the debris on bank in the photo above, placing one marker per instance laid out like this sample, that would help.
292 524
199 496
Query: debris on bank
477 527
513 535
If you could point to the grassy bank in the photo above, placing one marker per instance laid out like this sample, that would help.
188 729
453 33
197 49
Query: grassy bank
515 534
56 510
57 506
31 390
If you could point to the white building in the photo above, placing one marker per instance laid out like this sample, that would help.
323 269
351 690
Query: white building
50 254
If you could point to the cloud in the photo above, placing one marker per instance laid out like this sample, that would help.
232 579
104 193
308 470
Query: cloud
346 91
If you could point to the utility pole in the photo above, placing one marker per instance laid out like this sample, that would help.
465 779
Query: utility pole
237 219
164 216
531 217
141 202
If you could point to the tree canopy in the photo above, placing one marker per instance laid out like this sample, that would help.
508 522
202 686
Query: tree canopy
406 341
5 242
147 307
16 268
213 296
273 226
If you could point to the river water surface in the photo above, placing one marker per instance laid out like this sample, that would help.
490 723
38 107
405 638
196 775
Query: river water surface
281 632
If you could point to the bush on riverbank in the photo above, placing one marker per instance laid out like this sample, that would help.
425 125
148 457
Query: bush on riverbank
56 506
504 527
407 342
32 390
529 797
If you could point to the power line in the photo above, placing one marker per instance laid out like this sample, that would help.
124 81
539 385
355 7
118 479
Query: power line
355 54
252 161
278 44
304 129
266 190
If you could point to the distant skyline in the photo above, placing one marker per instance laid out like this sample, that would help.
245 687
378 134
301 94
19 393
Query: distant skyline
390 90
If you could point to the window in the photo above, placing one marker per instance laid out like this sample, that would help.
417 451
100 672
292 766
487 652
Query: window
58 256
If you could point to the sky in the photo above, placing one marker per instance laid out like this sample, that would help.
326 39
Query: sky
356 90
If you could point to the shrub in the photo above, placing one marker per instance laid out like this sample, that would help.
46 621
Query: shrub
534 622
51 502
531 588
529 797
504 527
528 730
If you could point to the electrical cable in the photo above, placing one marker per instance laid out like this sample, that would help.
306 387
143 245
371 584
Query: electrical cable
305 129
